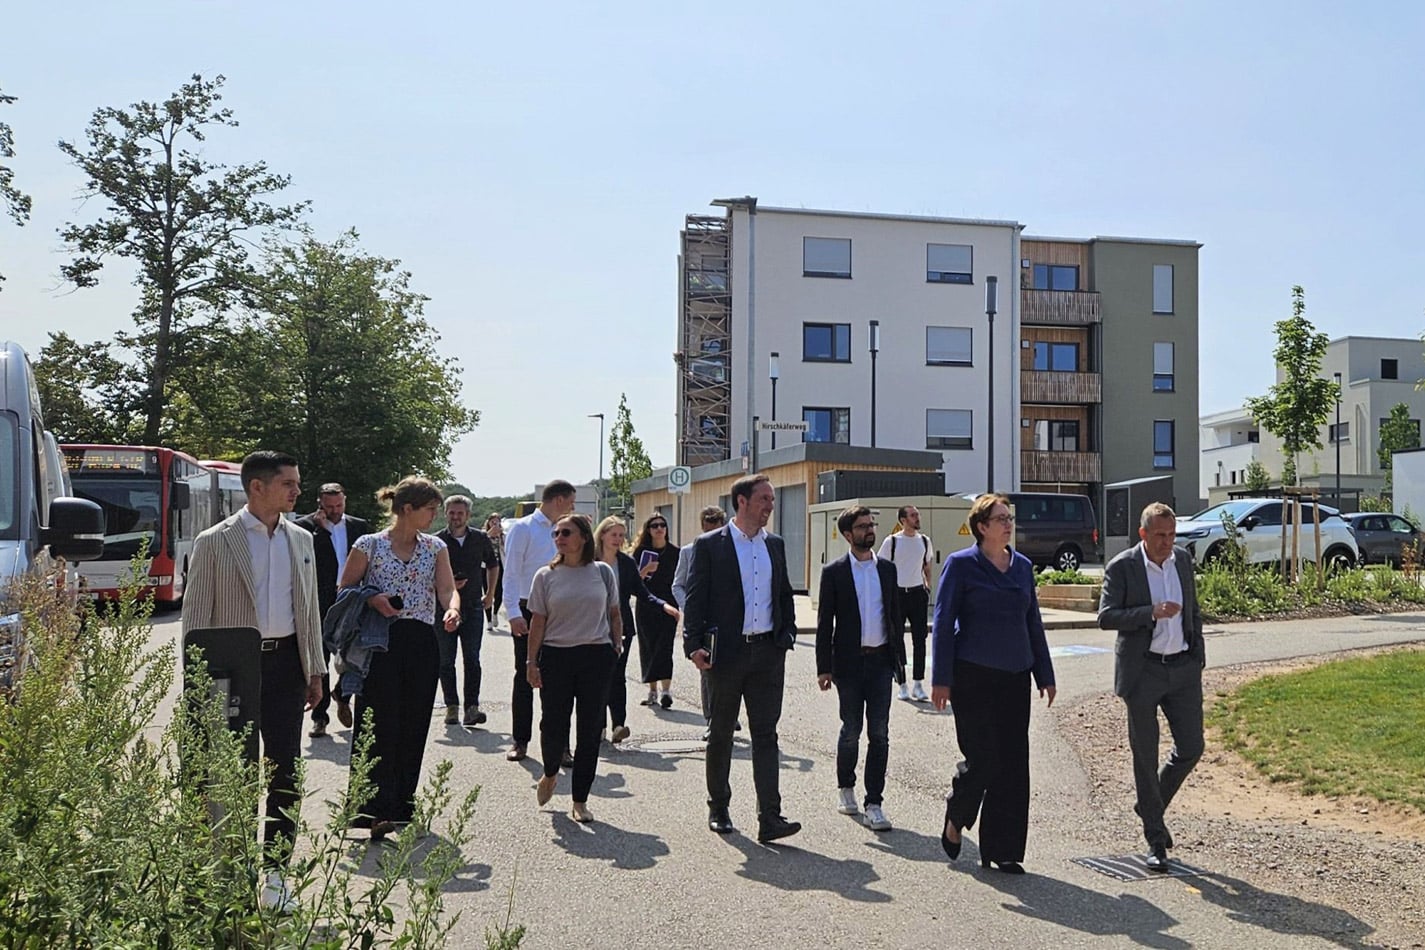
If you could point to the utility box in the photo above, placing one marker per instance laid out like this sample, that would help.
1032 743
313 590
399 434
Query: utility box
839 484
1123 504
943 519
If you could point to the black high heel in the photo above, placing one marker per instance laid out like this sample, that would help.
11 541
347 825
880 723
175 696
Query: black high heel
952 848
1006 867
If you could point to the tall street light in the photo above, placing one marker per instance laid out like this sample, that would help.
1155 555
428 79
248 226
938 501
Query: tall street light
991 304
599 498
774 371
1337 377
748 204
875 348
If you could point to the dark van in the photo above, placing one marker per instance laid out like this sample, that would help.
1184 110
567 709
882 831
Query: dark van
1057 531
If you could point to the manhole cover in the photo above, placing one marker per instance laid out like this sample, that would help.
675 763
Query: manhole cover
671 746
1130 867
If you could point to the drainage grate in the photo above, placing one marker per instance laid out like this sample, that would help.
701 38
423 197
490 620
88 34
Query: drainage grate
1130 867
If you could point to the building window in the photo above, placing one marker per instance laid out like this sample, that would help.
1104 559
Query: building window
1162 367
827 424
1056 357
1056 277
1338 433
1162 288
949 264
1389 369
1053 435
1254 436
1163 443
948 429
949 346
826 342
826 257
1234 476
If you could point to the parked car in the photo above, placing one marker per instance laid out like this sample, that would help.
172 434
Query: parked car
1057 531
1382 538
1259 524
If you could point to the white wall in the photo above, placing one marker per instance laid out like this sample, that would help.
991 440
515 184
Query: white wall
1408 478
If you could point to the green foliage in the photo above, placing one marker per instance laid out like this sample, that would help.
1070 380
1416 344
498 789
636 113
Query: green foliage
1064 577
1348 727
628 462
1251 592
182 218
1257 478
1259 591
480 505
1295 408
1397 433
1374 503
15 202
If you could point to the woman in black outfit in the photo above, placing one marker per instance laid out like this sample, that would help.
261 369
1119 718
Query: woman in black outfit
609 540
657 562
494 528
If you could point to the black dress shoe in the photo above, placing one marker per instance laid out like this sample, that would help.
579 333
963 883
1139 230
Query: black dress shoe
720 821
1006 867
952 848
770 829
1158 860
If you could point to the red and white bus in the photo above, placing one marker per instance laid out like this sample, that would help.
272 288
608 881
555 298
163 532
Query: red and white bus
149 494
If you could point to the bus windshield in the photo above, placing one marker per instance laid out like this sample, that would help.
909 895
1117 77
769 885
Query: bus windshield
9 477
131 511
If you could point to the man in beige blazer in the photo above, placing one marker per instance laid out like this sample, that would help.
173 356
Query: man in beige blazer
257 569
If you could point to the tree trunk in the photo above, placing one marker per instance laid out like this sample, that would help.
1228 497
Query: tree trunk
158 378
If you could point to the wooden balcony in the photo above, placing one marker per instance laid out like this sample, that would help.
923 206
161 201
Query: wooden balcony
1059 308
1070 389
1060 467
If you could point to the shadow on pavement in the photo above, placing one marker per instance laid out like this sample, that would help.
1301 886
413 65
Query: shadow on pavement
1283 913
598 841
1078 908
914 846
805 871
366 858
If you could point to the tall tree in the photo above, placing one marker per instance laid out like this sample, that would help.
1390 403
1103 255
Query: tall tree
88 394
1397 433
628 462
179 216
1295 409
15 202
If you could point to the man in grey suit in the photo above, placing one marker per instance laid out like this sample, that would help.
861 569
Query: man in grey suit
1150 598
738 625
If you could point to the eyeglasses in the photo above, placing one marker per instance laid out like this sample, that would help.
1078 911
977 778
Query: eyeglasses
658 526
562 532
864 526
1005 520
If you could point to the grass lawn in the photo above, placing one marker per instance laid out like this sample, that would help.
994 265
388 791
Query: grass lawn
1348 727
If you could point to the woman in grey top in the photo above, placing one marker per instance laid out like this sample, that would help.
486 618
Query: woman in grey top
575 635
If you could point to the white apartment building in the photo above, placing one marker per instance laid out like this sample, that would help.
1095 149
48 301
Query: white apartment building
1230 441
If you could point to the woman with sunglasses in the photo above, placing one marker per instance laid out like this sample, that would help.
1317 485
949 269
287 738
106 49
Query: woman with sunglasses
609 540
657 565
575 635
988 639
495 530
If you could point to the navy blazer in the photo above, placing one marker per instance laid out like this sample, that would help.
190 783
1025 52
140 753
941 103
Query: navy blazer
1126 605
715 596
838 619
325 550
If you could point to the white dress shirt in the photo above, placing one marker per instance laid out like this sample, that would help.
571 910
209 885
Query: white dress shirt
868 599
339 543
754 563
271 559
1165 585
529 545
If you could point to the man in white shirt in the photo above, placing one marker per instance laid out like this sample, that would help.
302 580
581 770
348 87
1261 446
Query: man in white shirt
529 545
912 554
257 569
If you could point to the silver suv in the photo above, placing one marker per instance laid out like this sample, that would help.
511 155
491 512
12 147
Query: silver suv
1259 524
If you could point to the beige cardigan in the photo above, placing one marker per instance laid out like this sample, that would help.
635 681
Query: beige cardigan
220 589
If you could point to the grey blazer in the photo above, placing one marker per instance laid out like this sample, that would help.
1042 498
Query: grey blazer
221 591
1126 605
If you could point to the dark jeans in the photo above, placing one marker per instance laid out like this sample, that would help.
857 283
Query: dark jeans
398 692
992 725
468 637
754 674
618 688
866 695
1177 688
915 604
522 697
575 684
283 699
331 689
494 610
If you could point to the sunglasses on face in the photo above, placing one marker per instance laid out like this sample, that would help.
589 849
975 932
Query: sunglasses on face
562 532
658 527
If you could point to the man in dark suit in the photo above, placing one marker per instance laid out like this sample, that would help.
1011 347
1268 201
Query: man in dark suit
333 533
739 623
1150 598
860 646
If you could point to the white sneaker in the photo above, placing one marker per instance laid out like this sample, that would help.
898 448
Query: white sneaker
275 895
846 801
917 693
904 693
876 819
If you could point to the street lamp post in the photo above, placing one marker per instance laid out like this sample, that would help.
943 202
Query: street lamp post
774 371
599 499
991 304
875 348
1338 438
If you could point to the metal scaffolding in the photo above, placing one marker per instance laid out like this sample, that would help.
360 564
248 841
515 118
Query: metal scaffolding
705 340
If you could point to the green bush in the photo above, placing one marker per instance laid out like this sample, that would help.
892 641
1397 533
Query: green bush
1064 577
109 837
1245 592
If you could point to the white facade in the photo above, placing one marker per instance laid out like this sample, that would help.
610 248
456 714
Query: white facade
1228 443
1408 482
796 291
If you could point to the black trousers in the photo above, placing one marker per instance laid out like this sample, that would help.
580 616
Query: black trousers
284 699
753 674
992 726
915 604
618 688
399 690
499 596
331 689
575 684
656 632
522 695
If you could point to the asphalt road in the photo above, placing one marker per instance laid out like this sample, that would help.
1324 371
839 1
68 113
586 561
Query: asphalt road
648 873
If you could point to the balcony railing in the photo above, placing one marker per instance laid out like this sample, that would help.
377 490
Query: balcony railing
1060 467
1059 308
1073 389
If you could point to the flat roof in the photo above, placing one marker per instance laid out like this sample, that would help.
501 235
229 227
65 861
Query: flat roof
924 219
1171 242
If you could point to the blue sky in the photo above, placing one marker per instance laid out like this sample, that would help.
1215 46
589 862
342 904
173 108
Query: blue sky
532 165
